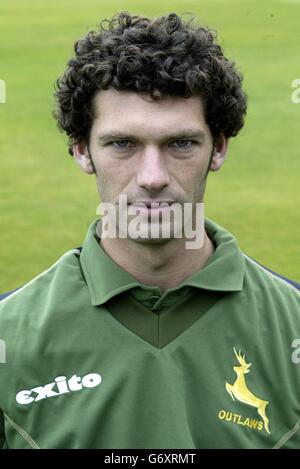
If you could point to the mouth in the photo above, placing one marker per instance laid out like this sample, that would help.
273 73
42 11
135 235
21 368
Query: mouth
153 204
152 209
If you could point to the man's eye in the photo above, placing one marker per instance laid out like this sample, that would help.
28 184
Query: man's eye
183 144
121 144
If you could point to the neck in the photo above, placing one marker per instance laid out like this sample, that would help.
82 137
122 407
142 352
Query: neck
163 265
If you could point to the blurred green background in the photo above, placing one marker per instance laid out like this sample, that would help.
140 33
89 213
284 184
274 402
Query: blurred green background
47 203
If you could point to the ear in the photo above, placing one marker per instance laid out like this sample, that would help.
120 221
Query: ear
219 153
82 156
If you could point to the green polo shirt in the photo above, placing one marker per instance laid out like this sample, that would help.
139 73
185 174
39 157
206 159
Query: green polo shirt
90 358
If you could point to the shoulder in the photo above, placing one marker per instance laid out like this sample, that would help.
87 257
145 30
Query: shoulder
259 271
5 295
270 274
271 289
41 311
28 297
257 276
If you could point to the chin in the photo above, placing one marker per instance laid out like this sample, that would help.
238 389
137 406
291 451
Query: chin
159 238
152 233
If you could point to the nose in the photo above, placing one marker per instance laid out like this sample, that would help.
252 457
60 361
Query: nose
152 173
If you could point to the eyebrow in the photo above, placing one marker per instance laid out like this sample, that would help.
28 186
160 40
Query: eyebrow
183 133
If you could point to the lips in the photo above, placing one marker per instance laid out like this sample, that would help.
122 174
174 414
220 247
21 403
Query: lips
148 209
153 204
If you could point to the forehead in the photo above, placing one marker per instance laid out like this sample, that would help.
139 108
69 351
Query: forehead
132 112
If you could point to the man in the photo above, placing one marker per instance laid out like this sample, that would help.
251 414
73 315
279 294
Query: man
137 340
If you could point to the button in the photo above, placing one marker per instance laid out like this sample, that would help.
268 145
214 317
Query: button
154 298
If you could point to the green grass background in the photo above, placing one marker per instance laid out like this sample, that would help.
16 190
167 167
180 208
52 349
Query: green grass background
47 203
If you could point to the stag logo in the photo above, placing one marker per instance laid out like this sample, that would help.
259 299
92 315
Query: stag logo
240 391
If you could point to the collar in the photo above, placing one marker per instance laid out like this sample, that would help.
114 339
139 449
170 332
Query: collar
105 279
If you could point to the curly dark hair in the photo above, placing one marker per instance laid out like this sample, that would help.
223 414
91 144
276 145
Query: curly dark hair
161 57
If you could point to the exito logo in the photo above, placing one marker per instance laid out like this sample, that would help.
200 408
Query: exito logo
2 92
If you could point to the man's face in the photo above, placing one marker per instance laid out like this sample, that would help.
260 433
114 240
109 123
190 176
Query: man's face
150 151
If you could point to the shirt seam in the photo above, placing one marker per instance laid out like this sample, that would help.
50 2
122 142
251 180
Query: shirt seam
287 436
22 432
273 276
